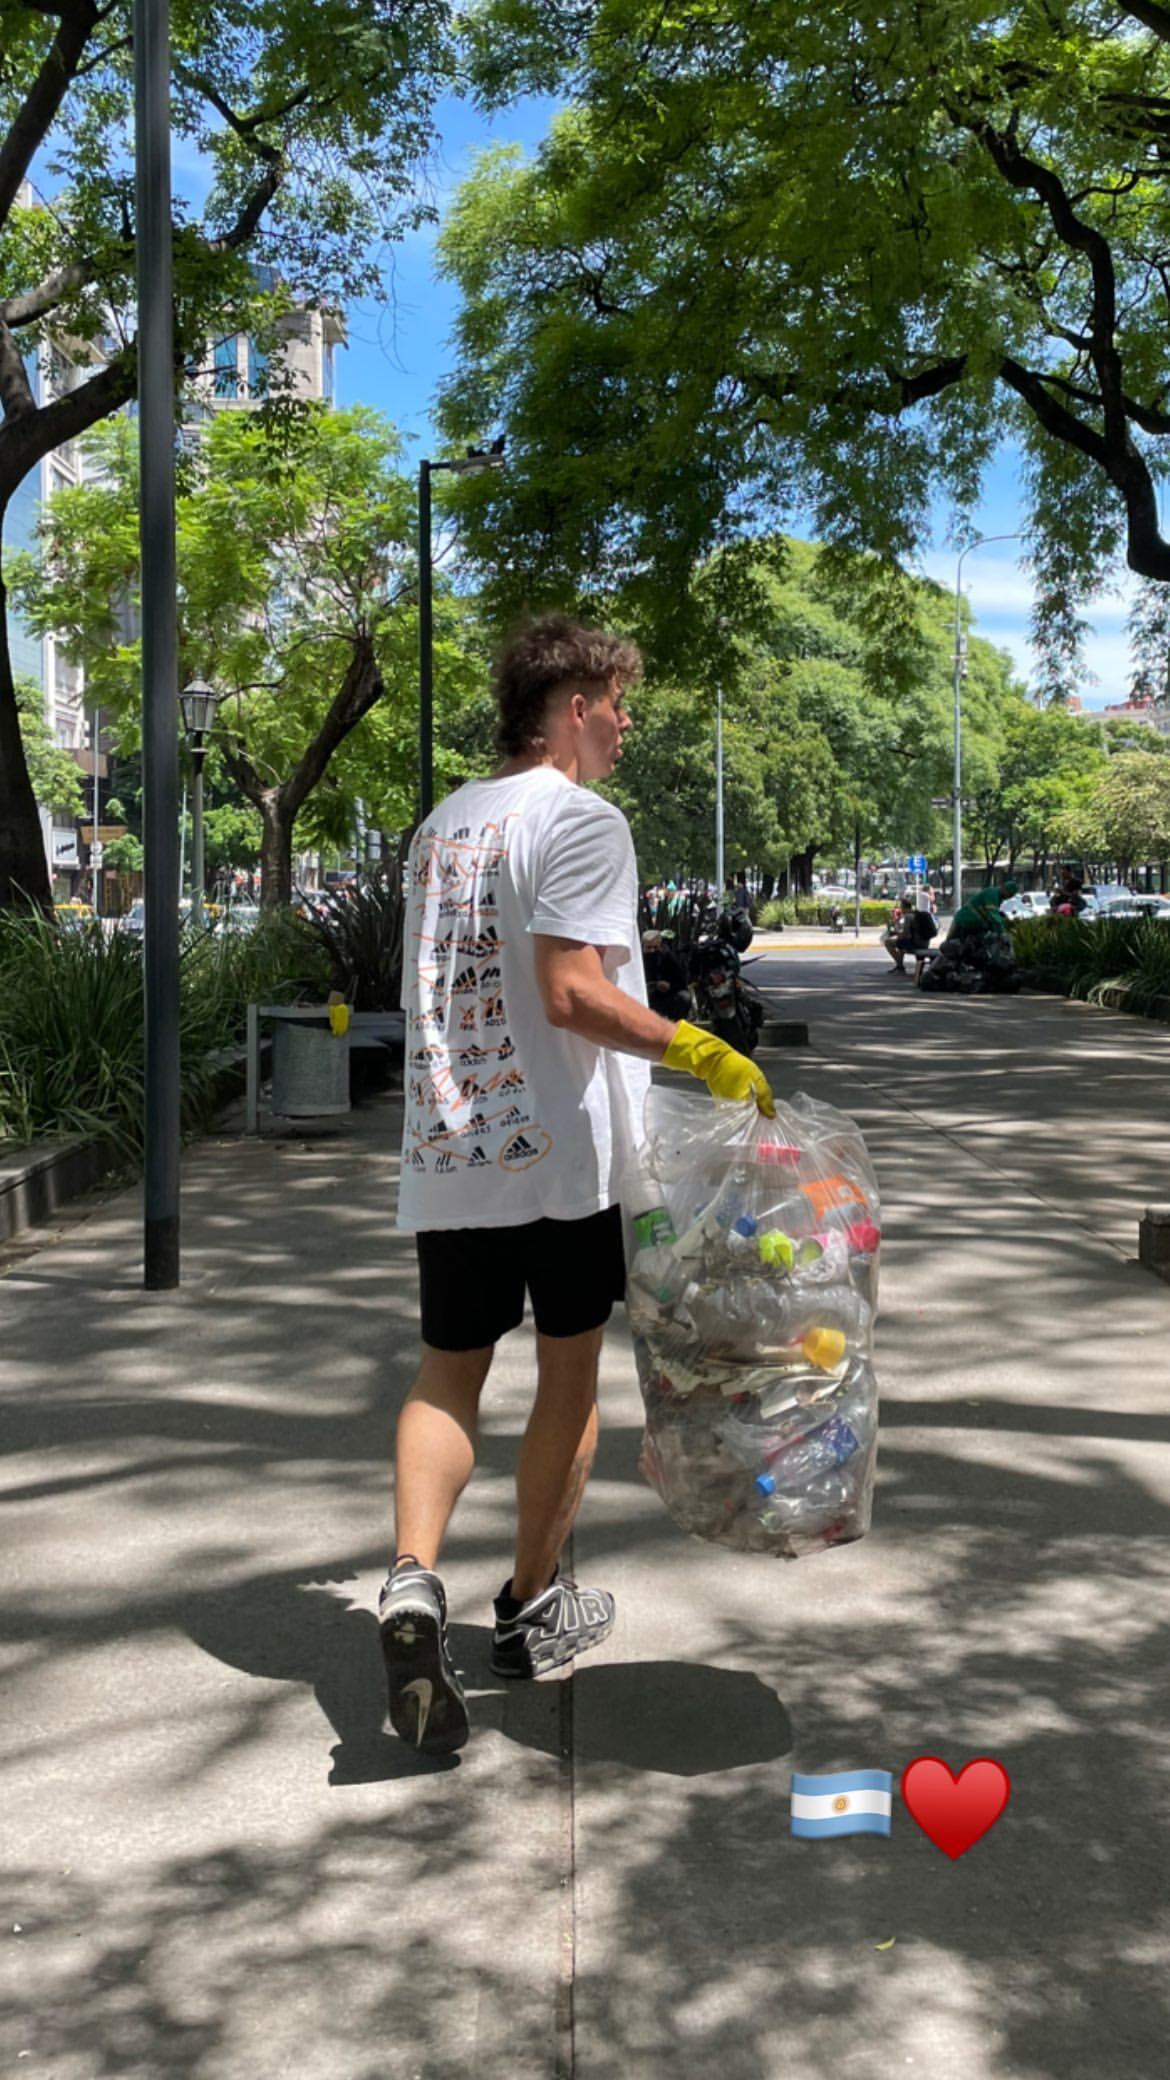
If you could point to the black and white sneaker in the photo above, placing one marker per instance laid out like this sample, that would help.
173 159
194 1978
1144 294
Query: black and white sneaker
549 1629
427 1706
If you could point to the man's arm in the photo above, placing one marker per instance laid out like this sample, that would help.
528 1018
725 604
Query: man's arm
578 995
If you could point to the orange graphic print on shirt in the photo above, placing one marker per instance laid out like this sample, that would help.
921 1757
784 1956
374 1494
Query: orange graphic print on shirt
467 1098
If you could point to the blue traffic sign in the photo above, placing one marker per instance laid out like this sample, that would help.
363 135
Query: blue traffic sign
916 863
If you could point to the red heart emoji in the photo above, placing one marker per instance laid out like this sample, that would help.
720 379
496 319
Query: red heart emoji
955 1811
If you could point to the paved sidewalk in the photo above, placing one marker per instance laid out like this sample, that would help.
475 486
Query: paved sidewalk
220 1865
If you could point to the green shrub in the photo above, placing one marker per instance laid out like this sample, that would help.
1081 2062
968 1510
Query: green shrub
1076 958
71 1021
810 910
359 939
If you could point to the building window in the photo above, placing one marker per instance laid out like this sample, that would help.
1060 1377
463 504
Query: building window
227 378
63 373
257 368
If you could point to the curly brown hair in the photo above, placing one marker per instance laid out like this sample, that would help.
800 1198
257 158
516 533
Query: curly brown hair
544 656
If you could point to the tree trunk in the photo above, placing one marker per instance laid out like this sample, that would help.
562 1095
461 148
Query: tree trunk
276 847
802 868
24 870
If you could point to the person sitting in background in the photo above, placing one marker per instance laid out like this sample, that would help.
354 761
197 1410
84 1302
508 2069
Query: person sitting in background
667 990
911 932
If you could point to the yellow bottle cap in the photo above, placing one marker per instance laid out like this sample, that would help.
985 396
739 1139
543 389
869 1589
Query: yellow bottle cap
824 1347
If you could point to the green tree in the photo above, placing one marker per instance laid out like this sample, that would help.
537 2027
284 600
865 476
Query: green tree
820 739
54 773
1050 760
297 599
311 118
232 837
820 259
1124 816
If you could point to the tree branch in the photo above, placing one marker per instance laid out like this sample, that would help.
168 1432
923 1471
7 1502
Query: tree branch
248 221
34 119
1022 172
1150 15
243 772
360 688
1148 417
1146 552
1054 417
16 398
245 127
28 435
34 303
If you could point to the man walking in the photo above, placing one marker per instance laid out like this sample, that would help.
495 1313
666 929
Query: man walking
528 1045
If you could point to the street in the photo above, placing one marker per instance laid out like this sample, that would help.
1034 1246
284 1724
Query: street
221 1864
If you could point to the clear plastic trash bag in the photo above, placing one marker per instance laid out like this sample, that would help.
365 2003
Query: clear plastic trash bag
752 1251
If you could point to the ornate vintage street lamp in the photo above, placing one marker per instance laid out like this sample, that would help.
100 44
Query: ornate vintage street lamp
198 702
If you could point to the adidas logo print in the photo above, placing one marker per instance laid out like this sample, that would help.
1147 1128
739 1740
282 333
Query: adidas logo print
519 1151
463 832
472 1055
476 1159
417 1159
489 978
505 1051
445 1162
514 1118
467 980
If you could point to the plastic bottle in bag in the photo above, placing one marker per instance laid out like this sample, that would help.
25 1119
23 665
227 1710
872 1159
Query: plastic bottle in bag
800 1461
658 1272
827 1500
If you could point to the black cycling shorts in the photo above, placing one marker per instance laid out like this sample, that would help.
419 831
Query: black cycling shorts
473 1280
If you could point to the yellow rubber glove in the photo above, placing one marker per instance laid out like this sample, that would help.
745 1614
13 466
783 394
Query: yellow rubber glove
725 1073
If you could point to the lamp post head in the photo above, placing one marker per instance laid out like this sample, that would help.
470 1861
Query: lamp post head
475 460
198 702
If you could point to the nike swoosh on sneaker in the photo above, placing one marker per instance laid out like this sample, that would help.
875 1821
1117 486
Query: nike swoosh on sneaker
424 1692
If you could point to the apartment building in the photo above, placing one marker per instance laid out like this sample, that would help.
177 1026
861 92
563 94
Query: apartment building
51 372
235 377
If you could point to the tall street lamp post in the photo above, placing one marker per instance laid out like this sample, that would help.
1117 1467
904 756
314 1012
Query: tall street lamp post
95 850
980 542
719 861
160 670
198 702
476 459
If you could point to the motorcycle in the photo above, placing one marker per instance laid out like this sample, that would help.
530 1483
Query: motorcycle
723 1000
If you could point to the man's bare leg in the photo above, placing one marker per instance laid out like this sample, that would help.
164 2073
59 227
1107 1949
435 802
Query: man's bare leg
555 1456
435 1449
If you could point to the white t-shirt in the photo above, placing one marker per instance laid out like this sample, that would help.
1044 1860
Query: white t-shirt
509 1118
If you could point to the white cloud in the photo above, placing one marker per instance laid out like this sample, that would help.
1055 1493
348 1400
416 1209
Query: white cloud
1000 593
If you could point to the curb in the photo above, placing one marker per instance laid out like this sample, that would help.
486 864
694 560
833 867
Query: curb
38 1180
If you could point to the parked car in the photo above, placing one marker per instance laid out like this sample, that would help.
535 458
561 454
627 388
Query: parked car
1031 903
133 924
1126 904
73 916
239 917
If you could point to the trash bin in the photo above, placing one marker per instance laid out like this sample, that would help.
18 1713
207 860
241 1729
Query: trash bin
310 1068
